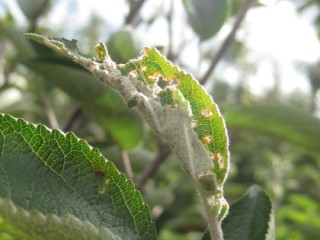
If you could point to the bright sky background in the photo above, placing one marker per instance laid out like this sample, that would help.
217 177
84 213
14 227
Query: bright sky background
273 33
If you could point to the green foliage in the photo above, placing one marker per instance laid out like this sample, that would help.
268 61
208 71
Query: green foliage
60 174
207 121
273 136
206 16
279 120
32 224
204 156
23 48
122 46
249 218
302 215
31 8
121 123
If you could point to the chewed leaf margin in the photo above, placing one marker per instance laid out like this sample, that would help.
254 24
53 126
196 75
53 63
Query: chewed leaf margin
155 70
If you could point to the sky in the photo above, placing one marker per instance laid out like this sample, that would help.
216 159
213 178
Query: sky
274 34
277 33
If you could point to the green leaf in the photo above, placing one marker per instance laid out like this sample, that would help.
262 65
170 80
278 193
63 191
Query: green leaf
22 45
287 123
102 103
122 46
248 218
31 224
207 121
31 8
59 174
206 16
185 115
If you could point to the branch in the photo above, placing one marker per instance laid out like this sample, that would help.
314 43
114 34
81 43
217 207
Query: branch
50 113
163 153
126 163
76 114
134 9
173 113
227 42
170 31
40 11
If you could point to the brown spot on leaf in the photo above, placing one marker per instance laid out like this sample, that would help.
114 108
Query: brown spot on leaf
219 159
206 113
153 77
133 74
207 139
99 175
194 123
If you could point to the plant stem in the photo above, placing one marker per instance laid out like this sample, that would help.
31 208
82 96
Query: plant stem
163 153
40 11
50 113
134 9
214 225
170 31
126 163
76 114
227 42
216 230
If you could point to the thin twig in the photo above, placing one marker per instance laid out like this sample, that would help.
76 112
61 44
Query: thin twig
229 39
163 153
76 114
170 31
126 163
135 6
52 118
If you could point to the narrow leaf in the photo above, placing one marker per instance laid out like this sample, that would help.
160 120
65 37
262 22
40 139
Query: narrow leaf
59 174
102 103
284 122
177 108
22 45
248 218
207 121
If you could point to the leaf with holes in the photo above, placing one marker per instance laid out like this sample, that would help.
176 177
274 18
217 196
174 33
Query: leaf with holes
207 121
177 108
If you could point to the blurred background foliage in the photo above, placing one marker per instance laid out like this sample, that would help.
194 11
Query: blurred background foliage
274 136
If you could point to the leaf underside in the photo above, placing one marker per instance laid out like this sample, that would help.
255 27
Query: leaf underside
31 224
207 121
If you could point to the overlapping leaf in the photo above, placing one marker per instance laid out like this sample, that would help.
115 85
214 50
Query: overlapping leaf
176 107
103 104
249 218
